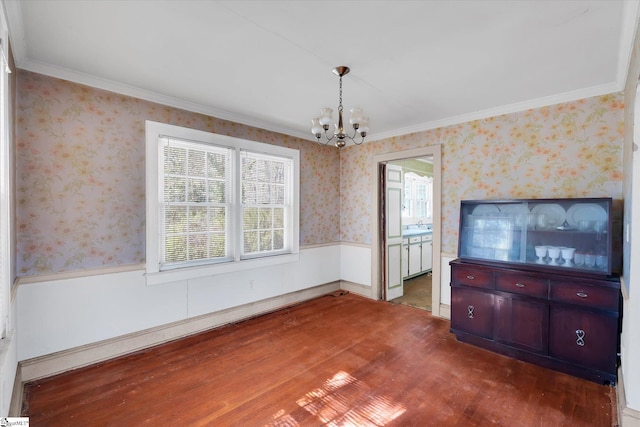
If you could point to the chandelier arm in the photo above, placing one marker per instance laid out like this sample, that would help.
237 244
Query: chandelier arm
353 138
326 141
327 137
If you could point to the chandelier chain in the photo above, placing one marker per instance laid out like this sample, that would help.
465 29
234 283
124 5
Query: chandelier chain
340 100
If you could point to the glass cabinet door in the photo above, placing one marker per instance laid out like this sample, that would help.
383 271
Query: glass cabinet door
555 233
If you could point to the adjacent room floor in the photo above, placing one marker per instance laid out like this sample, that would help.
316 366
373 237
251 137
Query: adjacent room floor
416 292
340 361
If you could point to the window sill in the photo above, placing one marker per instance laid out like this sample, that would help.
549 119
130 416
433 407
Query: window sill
161 277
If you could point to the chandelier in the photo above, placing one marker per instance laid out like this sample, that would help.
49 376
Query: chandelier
320 125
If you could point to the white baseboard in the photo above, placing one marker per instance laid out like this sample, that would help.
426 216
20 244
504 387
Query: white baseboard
445 311
66 360
356 288
627 417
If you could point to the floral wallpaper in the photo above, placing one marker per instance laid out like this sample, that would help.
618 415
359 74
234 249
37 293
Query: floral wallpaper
80 169
81 175
571 149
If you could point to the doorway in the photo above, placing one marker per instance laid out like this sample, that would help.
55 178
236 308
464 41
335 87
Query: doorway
380 268
416 224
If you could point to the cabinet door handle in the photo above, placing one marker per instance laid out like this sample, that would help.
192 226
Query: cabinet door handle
520 285
580 340
470 277
581 294
470 311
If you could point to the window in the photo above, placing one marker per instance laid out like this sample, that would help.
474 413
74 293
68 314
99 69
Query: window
423 197
265 180
407 206
217 202
194 203
418 197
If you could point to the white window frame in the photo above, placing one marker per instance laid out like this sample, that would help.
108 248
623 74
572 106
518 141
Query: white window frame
247 205
6 235
411 200
154 165
181 144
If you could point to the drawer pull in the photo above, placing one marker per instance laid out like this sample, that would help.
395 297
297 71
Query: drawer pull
471 277
520 285
470 311
581 294
580 340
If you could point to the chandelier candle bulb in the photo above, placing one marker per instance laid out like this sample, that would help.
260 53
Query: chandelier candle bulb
316 127
364 126
326 117
356 117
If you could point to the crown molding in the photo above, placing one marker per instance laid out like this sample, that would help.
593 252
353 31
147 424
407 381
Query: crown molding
505 109
147 95
13 10
113 86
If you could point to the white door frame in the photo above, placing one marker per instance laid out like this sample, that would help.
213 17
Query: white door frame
376 268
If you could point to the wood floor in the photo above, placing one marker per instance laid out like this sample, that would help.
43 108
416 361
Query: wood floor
339 361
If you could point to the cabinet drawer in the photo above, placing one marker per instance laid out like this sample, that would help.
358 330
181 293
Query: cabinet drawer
415 239
585 295
522 284
471 276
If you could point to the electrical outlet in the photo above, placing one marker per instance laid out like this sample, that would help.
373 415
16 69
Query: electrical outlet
251 284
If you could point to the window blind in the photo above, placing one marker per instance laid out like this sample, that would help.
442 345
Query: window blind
195 203
265 203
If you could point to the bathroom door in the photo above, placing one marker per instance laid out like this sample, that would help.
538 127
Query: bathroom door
393 230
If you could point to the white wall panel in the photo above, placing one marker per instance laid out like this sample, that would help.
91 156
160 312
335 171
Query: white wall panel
8 363
355 264
316 266
62 314
445 279
215 293
57 315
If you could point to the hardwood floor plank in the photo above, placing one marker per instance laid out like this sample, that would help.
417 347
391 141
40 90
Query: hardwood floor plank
341 360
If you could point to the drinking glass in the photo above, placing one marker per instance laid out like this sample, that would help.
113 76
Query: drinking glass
541 253
554 254
567 256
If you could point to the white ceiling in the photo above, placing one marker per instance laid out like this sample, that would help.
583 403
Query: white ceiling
414 65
